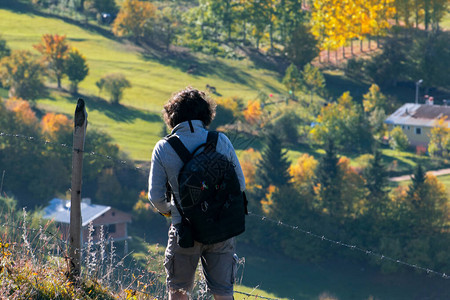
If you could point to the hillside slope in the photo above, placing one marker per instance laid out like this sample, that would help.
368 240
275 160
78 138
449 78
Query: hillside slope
135 124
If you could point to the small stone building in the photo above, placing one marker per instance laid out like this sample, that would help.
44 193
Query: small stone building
114 221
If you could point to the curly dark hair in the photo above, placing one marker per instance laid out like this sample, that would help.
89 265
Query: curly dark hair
189 104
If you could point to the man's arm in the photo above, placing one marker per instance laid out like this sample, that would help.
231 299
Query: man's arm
157 180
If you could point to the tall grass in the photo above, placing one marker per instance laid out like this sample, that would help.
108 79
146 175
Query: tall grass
34 265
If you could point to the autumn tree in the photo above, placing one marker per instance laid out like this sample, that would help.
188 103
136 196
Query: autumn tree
22 74
54 49
312 80
22 110
249 159
440 138
427 202
253 112
114 84
53 124
292 79
135 19
76 69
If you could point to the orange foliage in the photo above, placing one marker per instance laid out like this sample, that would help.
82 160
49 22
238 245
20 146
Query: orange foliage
53 123
54 47
22 110
248 160
253 112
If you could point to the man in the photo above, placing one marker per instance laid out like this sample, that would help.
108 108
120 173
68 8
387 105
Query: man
188 113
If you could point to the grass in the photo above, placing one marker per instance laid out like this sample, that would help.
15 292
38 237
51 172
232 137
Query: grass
154 77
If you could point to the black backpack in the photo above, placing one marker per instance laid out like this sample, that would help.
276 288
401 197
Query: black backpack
212 206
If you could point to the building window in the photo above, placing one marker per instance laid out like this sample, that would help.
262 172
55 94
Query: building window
418 130
111 228
408 128
113 214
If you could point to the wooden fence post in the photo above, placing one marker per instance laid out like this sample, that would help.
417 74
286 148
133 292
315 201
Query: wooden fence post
79 134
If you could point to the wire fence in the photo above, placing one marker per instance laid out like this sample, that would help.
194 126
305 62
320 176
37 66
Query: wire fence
349 246
280 223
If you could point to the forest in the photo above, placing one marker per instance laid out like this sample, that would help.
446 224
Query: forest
303 89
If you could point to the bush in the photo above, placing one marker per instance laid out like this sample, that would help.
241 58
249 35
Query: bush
114 84
23 74
399 140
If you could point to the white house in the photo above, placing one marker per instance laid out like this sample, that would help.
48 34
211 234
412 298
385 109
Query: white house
417 120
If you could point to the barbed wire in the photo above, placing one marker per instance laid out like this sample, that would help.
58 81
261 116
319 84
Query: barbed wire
349 246
263 218
69 147
255 296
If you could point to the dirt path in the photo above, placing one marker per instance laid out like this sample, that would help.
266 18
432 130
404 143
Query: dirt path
408 177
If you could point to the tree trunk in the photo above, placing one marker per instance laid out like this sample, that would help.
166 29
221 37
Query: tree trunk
361 45
351 47
75 237
343 52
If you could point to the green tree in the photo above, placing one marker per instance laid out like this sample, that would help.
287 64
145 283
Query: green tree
377 185
398 140
344 123
292 79
114 84
4 49
427 55
312 80
273 167
328 183
23 74
102 6
302 46
375 105
76 69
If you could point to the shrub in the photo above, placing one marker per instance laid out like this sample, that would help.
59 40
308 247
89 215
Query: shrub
23 74
399 140
114 84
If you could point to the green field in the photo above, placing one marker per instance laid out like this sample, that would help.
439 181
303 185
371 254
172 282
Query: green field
136 123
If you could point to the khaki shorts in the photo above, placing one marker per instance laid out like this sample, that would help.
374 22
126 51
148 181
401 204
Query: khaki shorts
218 261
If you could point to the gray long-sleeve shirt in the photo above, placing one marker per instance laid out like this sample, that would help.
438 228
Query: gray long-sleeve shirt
166 165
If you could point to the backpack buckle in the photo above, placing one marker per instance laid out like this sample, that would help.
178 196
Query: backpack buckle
204 206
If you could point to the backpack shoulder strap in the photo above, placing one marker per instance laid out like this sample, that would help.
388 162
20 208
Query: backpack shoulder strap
213 137
179 148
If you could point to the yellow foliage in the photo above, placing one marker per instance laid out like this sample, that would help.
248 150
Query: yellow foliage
253 112
52 124
303 170
133 18
22 110
230 103
267 204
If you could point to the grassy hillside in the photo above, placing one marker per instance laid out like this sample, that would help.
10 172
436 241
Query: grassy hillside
135 124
